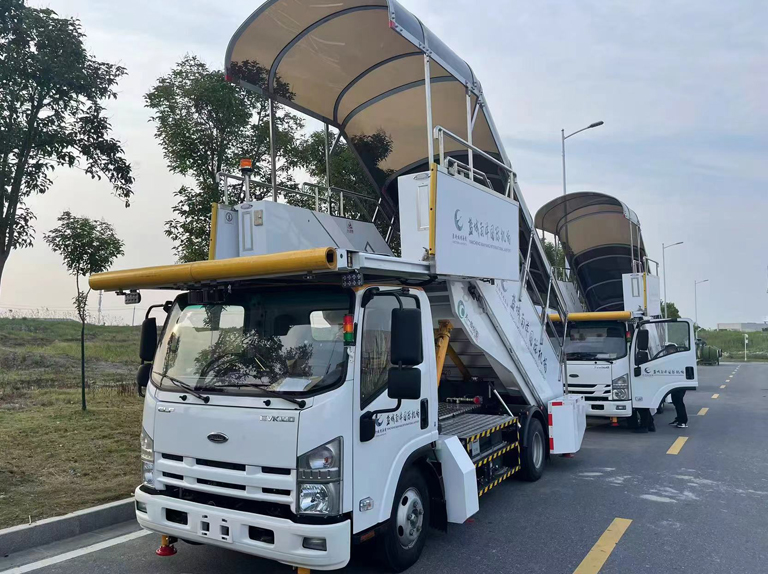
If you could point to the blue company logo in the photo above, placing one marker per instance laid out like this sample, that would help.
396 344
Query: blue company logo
461 309
457 220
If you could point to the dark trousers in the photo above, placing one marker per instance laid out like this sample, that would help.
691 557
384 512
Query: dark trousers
677 400
646 419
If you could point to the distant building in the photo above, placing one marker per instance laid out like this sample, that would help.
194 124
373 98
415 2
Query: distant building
743 327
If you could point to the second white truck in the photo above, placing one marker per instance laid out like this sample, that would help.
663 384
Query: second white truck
621 355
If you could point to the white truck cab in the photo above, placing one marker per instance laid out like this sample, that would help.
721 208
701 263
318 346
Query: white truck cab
617 373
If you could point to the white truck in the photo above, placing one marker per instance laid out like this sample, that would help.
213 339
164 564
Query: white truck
621 355
311 390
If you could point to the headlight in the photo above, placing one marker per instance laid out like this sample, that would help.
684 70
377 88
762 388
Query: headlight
319 480
320 498
620 387
147 459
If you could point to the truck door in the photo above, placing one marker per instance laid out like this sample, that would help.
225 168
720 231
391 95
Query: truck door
399 432
663 358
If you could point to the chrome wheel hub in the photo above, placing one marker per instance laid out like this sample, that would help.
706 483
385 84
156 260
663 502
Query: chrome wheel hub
410 518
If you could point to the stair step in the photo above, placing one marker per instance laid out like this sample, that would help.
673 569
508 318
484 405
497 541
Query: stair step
471 427
502 474
496 451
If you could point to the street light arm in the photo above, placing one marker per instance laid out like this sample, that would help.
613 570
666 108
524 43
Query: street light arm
589 127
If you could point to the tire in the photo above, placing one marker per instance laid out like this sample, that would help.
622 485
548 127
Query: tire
661 408
534 455
406 532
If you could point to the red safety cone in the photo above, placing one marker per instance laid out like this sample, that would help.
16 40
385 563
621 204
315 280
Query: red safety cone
166 547
614 421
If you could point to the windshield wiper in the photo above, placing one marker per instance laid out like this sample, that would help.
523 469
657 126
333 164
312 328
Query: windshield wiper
301 403
183 385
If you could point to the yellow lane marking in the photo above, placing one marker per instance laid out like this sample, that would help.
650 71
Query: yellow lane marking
716 395
722 386
602 549
677 446
703 411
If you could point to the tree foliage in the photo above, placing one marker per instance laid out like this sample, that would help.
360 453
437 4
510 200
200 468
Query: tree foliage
671 311
206 125
554 254
346 171
52 95
87 247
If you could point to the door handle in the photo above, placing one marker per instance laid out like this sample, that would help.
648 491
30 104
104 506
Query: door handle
424 413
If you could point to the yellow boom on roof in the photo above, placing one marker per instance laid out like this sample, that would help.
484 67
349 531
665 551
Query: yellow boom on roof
594 316
287 263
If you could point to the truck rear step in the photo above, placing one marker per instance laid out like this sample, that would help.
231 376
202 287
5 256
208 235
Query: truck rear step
492 441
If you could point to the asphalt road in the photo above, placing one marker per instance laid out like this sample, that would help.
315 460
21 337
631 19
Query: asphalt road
704 510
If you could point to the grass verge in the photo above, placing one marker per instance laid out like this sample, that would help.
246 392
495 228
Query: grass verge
54 457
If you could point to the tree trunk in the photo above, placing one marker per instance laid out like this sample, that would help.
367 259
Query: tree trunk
82 361
3 259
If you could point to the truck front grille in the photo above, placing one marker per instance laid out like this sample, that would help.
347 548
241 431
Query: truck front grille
228 479
591 392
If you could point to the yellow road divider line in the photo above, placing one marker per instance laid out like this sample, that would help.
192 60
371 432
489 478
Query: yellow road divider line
677 446
703 411
602 549
716 395
722 386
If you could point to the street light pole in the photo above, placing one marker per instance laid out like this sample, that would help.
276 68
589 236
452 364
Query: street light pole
696 303
664 268
564 137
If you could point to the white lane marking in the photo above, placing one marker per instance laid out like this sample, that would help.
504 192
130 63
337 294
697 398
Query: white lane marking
75 553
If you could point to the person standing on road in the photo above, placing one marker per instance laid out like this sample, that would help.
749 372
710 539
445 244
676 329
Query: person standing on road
646 421
681 420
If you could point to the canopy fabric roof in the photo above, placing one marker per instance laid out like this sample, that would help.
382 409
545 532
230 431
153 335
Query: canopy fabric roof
602 238
358 65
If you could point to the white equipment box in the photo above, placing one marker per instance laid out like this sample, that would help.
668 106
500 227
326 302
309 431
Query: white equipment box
567 424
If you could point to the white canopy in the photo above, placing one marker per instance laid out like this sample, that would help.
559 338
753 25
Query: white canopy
358 65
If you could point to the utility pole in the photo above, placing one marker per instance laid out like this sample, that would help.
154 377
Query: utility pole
564 137
696 304
133 319
746 340
98 317
664 267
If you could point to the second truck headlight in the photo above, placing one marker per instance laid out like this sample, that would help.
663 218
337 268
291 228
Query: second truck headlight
147 459
319 480
620 388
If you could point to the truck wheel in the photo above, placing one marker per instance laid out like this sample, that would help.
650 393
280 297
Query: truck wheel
407 529
535 454
632 420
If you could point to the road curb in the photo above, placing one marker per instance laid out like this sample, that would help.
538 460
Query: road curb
25 536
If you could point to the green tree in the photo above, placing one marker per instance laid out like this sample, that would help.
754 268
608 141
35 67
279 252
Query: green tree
87 246
206 125
554 254
52 95
347 173
671 311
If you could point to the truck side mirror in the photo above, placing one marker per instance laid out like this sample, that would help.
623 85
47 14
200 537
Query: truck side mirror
142 377
406 337
642 340
404 384
148 342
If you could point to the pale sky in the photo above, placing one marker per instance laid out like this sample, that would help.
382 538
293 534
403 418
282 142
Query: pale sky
681 85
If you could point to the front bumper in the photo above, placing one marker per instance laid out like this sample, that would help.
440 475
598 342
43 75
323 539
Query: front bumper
609 408
230 529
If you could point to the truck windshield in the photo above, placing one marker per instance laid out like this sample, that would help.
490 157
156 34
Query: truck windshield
282 341
596 341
